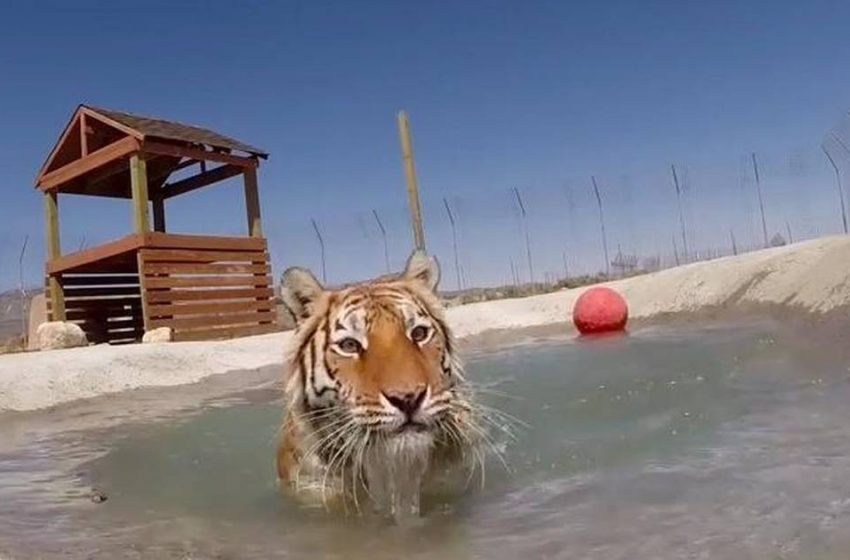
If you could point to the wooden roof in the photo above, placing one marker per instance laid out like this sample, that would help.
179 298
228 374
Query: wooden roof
153 127
90 156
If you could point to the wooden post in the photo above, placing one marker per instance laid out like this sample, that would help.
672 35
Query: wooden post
140 264
54 251
252 202
139 185
412 186
158 203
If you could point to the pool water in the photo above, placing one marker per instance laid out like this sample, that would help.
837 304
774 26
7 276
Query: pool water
718 441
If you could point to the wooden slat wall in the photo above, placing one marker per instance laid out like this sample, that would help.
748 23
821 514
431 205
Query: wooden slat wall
107 306
207 290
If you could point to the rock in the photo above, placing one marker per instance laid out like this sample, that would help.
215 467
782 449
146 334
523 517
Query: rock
98 497
37 316
162 334
57 334
12 345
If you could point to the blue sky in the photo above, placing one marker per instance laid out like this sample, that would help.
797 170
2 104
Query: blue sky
535 95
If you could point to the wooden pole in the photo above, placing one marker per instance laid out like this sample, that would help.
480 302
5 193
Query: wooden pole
141 266
252 202
412 185
54 251
139 186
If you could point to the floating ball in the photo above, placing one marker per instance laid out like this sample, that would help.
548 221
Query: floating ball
600 310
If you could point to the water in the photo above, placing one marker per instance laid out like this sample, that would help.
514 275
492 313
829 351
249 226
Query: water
721 441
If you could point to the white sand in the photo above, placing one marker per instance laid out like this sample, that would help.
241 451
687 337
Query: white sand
811 277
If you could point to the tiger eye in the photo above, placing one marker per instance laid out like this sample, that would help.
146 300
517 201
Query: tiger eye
419 333
350 346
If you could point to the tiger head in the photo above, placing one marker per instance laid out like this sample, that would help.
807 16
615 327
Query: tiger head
373 370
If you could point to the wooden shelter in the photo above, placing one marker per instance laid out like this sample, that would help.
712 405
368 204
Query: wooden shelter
203 287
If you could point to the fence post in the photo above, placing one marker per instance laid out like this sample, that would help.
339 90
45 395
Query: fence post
412 185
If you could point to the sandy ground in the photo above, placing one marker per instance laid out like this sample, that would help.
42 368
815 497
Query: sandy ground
811 277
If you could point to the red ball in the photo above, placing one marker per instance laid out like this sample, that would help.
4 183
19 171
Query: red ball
600 310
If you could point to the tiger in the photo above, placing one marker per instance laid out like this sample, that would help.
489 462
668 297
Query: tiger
375 400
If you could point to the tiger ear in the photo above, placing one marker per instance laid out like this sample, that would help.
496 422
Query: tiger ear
299 290
422 268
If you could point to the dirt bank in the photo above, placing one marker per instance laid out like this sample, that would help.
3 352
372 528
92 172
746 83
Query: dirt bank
811 277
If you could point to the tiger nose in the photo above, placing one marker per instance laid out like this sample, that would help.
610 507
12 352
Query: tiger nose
407 403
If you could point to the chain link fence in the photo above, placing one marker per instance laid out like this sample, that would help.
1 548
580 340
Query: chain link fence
513 235
497 234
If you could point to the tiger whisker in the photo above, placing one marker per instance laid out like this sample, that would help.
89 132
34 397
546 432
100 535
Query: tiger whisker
335 428
358 467
504 429
454 435
330 468
488 391
502 414
490 444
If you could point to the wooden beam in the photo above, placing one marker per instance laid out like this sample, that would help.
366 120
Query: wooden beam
93 183
103 252
202 180
223 320
158 203
155 240
106 172
220 269
214 308
55 149
51 215
110 170
84 141
206 256
165 247
252 203
74 293
216 294
96 159
72 280
54 251
155 178
143 288
187 163
207 282
98 190
151 147
132 132
139 187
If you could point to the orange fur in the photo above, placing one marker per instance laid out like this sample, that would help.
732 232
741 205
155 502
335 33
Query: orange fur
356 370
